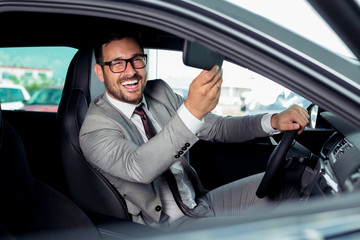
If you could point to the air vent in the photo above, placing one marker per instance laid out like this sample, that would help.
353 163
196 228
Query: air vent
340 149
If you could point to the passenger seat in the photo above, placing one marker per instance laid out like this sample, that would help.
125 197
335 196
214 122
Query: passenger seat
30 209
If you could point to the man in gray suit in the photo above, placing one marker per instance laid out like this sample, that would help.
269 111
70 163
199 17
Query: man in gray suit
152 171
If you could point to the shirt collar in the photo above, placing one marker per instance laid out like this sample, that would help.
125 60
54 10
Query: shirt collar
126 108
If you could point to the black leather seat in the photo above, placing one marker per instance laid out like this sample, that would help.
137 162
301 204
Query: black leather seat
88 187
30 209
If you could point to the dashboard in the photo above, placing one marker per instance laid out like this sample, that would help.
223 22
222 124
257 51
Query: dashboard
340 158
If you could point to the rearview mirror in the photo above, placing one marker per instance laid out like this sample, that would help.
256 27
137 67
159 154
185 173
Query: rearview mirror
313 112
198 56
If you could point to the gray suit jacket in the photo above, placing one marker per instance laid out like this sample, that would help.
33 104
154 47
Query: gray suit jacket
112 143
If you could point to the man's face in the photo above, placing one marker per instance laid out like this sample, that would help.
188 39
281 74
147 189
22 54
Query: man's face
127 86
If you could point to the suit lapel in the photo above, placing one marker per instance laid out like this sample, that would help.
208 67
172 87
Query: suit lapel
161 114
128 127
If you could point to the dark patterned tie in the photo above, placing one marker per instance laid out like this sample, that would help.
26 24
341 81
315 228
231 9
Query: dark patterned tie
149 128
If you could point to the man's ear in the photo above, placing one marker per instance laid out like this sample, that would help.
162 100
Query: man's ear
99 72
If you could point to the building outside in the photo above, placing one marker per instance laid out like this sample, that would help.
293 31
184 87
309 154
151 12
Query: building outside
15 72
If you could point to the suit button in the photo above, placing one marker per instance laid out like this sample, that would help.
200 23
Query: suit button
180 152
187 144
177 156
184 148
158 208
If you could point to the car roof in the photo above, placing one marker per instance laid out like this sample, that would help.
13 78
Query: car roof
8 84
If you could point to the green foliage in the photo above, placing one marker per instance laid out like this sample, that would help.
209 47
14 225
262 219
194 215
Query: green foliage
31 84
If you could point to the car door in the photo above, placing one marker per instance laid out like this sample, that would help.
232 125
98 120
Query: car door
311 138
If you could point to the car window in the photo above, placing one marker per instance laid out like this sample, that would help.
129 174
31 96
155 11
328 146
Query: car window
15 95
32 78
243 91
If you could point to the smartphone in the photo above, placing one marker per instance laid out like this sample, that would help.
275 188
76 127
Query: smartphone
198 56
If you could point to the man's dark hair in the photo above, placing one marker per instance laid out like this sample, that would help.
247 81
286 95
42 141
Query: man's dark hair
109 35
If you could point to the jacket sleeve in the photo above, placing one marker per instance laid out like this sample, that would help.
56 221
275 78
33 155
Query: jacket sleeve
231 129
216 128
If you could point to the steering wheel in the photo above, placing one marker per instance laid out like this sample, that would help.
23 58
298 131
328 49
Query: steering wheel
277 157
276 160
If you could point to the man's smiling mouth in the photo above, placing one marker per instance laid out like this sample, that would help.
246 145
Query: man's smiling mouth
131 85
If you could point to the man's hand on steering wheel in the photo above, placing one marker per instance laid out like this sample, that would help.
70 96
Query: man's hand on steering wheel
293 118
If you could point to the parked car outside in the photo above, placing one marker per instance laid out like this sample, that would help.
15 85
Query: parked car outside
12 96
45 99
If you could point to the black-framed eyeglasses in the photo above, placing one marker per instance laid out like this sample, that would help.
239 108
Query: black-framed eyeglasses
119 65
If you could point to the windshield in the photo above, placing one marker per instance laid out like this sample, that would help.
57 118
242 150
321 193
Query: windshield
299 17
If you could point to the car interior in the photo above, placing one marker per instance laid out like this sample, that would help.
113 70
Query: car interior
55 177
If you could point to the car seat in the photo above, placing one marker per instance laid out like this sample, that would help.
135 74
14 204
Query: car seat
30 209
87 186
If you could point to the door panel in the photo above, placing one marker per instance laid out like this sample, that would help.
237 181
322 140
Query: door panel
221 163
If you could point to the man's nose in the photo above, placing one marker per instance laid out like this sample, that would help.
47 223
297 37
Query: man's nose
129 69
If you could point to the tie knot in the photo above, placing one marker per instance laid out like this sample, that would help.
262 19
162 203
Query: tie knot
149 128
140 111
